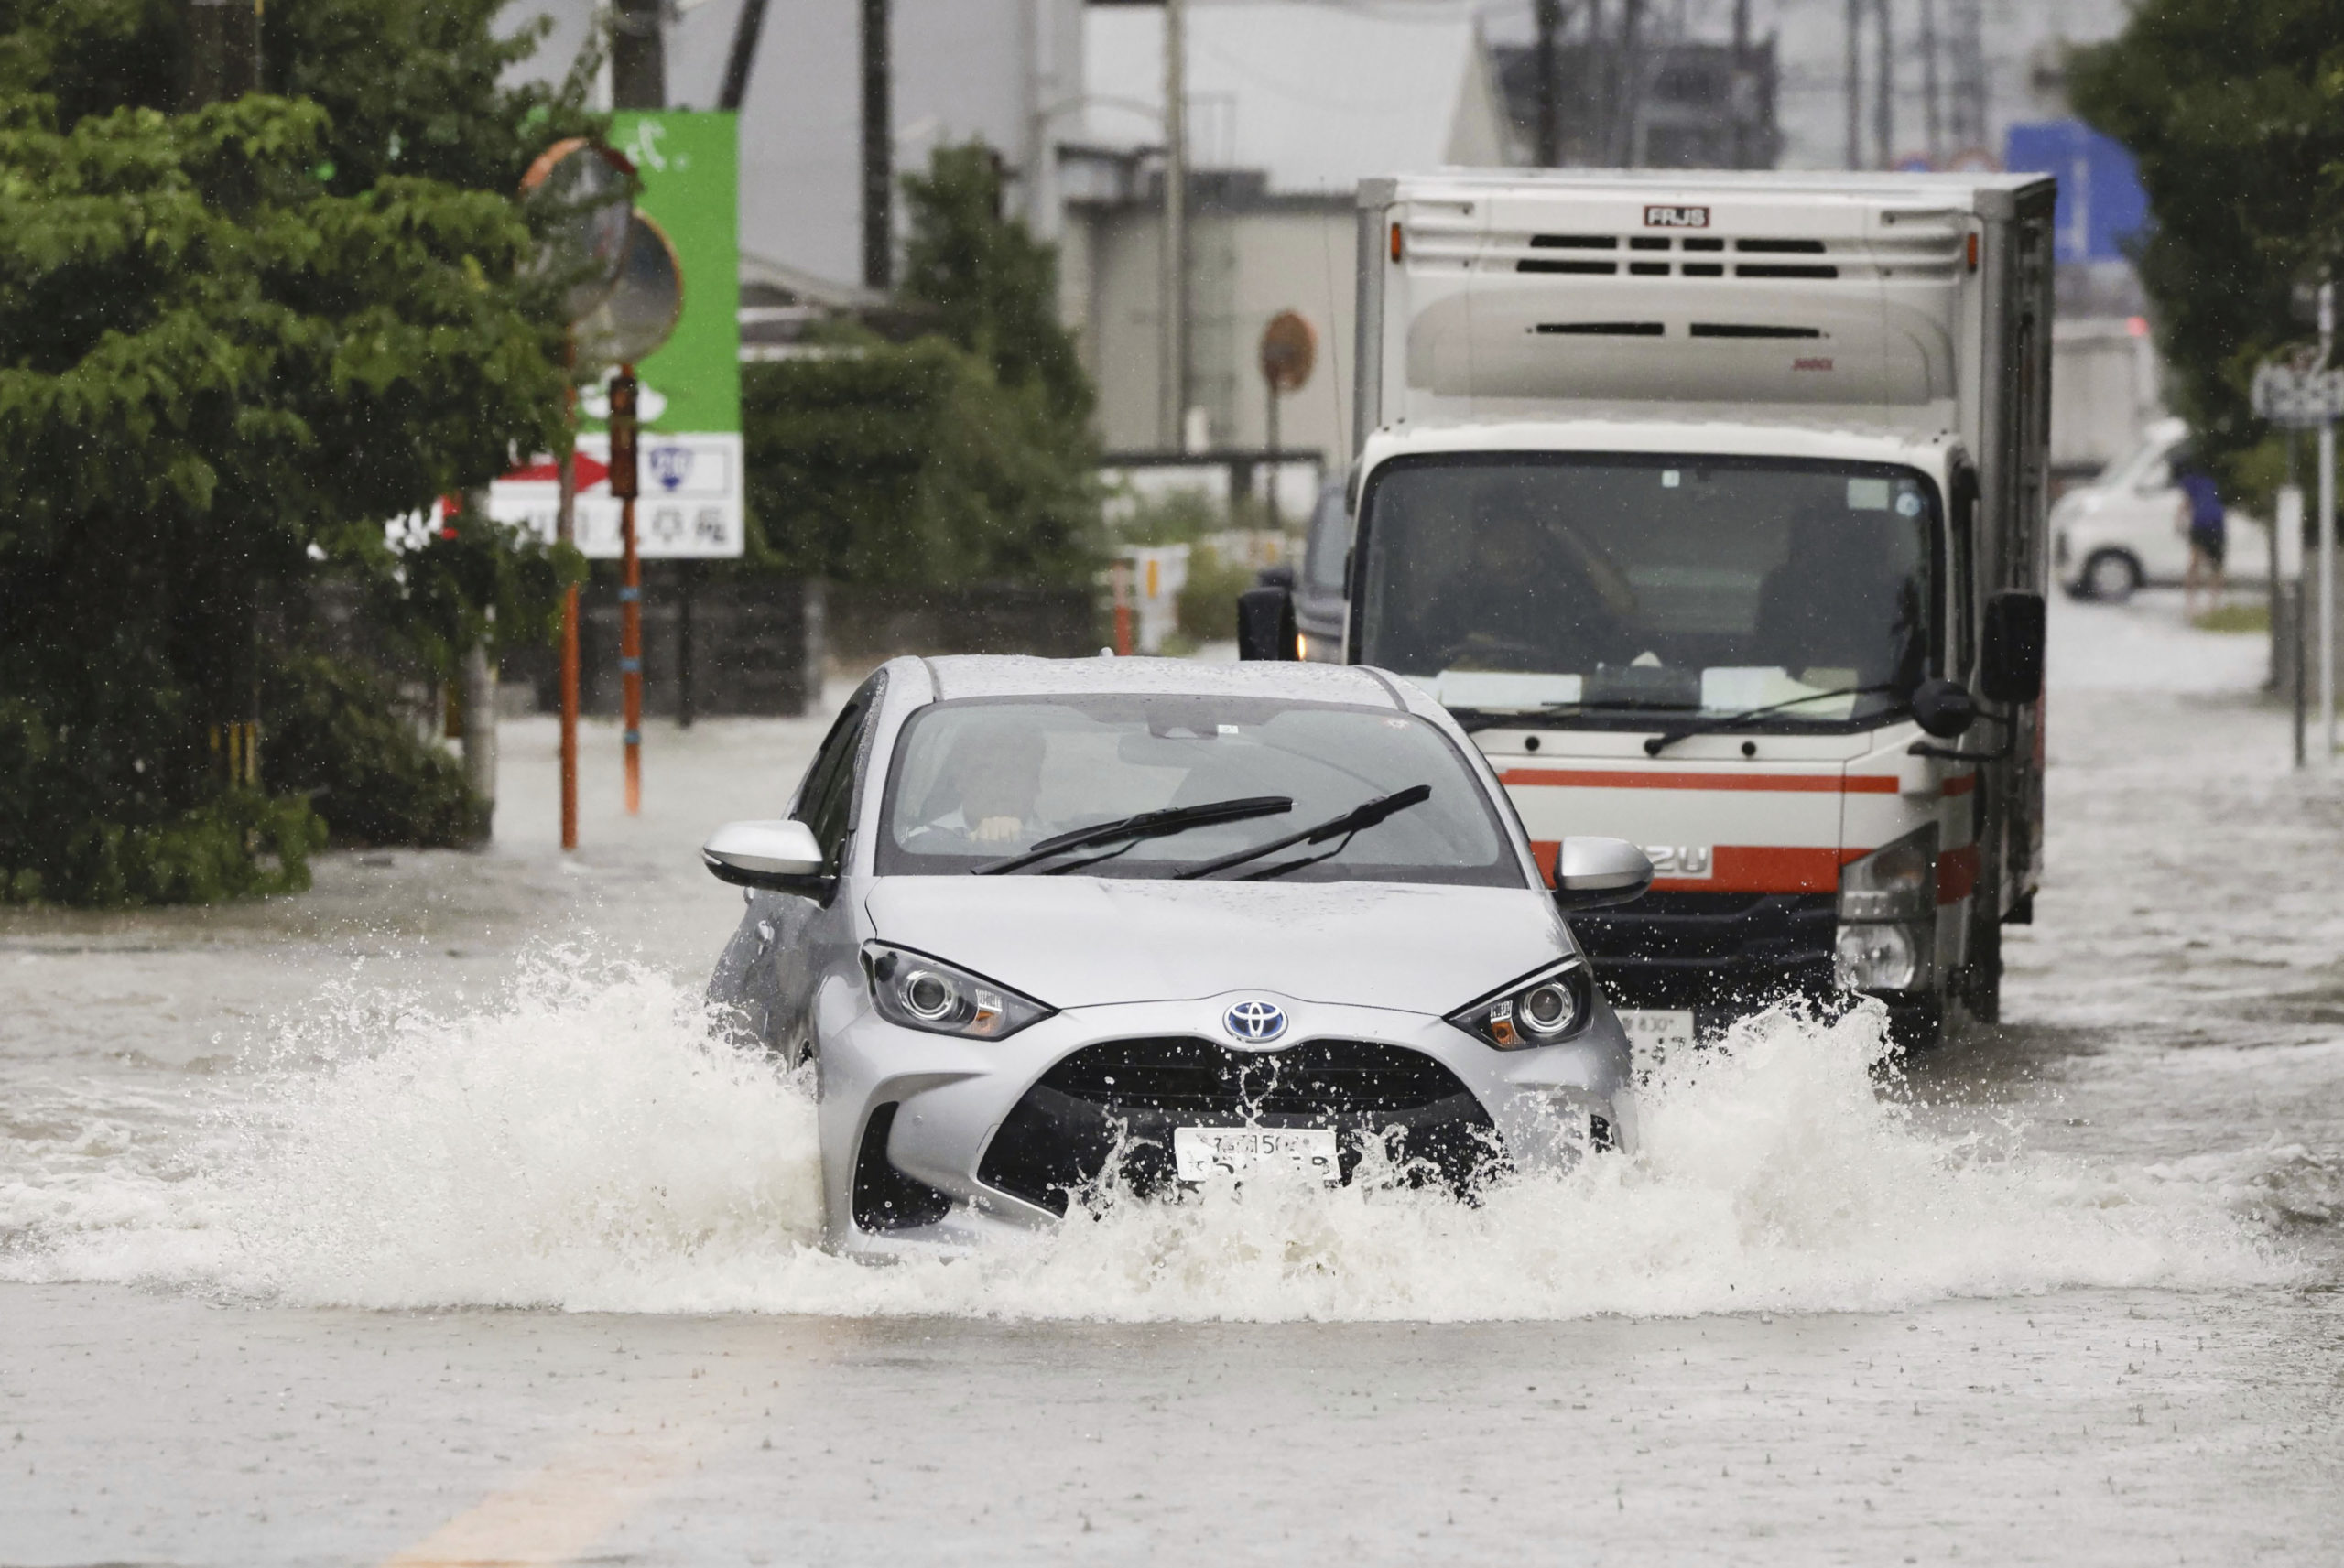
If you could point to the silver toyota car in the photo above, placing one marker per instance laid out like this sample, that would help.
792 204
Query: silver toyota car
1040 923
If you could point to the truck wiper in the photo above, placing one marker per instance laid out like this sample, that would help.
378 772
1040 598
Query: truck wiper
1130 830
1367 813
1470 719
1654 745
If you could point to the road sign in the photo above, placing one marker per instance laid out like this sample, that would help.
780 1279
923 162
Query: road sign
1289 350
688 163
2296 399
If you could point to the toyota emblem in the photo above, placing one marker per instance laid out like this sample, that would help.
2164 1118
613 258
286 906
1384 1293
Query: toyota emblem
1254 1022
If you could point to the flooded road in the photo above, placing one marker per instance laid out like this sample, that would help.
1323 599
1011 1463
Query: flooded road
417 1221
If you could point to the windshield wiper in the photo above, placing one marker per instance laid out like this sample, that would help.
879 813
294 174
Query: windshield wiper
1367 813
1655 744
1129 831
1473 719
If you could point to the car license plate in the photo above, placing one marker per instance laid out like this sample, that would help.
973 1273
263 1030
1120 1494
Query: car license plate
1198 1152
1657 1029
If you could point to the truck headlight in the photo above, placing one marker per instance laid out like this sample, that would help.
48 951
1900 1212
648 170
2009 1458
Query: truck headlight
920 992
1896 881
1877 957
1540 1009
1888 906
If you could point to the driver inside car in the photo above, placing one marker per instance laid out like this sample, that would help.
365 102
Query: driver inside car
997 775
1534 597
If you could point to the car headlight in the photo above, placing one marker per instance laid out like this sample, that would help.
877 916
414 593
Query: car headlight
920 992
1888 907
1540 1009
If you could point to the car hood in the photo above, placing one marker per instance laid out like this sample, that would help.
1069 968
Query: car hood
1080 941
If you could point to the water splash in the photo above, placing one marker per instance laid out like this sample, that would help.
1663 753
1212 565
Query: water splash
590 1143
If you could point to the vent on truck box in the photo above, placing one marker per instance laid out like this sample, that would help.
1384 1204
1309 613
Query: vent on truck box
1602 329
1749 329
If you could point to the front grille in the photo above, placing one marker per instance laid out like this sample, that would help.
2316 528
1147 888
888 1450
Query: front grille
1720 954
1120 1100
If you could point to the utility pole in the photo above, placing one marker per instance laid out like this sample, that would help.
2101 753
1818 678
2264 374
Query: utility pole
2326 542
741 58
1745 99
1175 261
1630 150
1931 111
1855 105
1548 152
1969 61
1884 91
223 50
638 56
878 153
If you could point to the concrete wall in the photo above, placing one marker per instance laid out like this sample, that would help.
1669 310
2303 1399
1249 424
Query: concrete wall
1282 252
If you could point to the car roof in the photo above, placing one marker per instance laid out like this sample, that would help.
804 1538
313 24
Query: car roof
960 675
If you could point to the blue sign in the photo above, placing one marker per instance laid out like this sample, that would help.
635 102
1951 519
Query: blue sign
2102 204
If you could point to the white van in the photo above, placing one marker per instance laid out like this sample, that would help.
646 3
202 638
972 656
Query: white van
2128 528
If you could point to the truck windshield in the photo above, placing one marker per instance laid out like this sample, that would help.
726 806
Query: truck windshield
980 780
1617 590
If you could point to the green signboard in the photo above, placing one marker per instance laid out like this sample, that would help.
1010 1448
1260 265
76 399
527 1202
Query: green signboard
690 164
689 466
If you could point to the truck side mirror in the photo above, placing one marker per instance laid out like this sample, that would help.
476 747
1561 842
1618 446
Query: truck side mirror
2010 666
1592 873
1944 708
1266 623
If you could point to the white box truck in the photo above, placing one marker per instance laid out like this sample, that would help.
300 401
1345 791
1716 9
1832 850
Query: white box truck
1714 504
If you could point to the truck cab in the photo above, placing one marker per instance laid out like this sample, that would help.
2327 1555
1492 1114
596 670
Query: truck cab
1712 505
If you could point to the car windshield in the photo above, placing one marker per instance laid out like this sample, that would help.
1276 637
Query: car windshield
979 780
1613 589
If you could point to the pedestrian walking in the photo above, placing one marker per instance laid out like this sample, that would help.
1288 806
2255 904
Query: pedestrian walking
2205 521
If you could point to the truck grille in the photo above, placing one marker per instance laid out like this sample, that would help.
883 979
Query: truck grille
1123 1099
1720 954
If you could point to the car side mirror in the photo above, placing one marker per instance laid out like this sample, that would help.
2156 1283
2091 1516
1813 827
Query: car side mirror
2010 665
1266 623
1593 873
781 857
1944 708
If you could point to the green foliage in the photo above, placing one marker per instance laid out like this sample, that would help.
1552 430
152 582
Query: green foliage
992 287
964 455
232 342
2236 115
1207 601
1175 517
332 733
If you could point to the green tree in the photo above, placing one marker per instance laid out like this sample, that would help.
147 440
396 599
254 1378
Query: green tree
991 287
227 358
2235 114
963 456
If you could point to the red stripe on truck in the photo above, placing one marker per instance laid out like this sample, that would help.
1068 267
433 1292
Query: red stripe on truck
1797 783
1957 873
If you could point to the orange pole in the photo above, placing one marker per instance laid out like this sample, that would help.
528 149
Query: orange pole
570 716
623 430
1120 574
631 656
566 529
